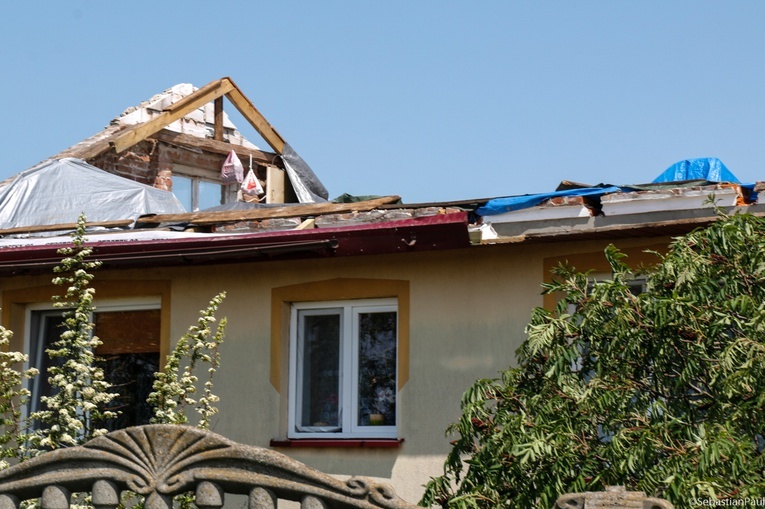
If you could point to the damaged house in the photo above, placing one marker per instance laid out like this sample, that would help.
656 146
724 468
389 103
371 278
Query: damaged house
354 326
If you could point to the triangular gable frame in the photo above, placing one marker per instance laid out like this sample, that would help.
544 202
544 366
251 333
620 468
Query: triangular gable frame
210 92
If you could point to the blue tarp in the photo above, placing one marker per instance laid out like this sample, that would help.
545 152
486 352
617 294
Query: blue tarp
705 168
708 169
501 205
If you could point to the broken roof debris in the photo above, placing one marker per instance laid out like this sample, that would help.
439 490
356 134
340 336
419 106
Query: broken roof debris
121 178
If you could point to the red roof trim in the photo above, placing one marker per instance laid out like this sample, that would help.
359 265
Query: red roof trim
438 232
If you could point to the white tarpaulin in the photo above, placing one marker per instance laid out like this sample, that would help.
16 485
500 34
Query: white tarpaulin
58 191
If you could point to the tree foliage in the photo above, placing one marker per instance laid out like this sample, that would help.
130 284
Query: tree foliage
78 409
663 392
174 388
13 397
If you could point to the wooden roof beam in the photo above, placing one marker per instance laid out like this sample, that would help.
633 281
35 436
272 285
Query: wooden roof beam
178 109
218 127
255 118
219 147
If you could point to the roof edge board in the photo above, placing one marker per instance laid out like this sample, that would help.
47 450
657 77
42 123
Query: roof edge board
139 132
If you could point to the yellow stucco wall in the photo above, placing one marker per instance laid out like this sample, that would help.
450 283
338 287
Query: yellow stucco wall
467 312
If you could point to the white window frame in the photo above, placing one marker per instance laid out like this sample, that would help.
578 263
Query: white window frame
349 355
105 305
198 175
634 282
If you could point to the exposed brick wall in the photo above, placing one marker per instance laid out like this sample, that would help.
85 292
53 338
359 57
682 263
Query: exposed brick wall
151 162
134 164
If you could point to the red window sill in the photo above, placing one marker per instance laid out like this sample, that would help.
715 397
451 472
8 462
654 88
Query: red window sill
338 442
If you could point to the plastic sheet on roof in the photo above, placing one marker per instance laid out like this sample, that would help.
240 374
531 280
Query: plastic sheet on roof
705 168
511 203
59 190
306 184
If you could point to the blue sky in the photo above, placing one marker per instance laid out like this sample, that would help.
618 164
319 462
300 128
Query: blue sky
433 101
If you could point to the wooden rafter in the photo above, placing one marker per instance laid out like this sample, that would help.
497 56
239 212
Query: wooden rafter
255 118
178 109
218 129
213 91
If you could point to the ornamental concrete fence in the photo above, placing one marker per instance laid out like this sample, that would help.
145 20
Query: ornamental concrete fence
160 461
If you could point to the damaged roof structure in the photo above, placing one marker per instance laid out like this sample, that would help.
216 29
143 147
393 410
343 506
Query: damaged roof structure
172 146
123 179
674 203
123 176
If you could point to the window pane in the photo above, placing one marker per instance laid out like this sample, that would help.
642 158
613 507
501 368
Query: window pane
210 195
131 376
377 369
129 357
182 191
47 327
320 370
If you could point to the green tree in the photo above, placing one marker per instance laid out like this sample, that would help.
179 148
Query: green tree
173 388
79 407
663 392
13 397
77 411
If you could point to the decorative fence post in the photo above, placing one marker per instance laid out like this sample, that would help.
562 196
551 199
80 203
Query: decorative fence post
615 497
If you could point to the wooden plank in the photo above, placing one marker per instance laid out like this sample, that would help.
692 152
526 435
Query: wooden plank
140 132
204 95
315 209
218 126
120 223
255 118
274 185
220 147
307 224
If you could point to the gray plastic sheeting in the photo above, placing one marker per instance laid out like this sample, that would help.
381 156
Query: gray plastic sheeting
307 185
59 190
